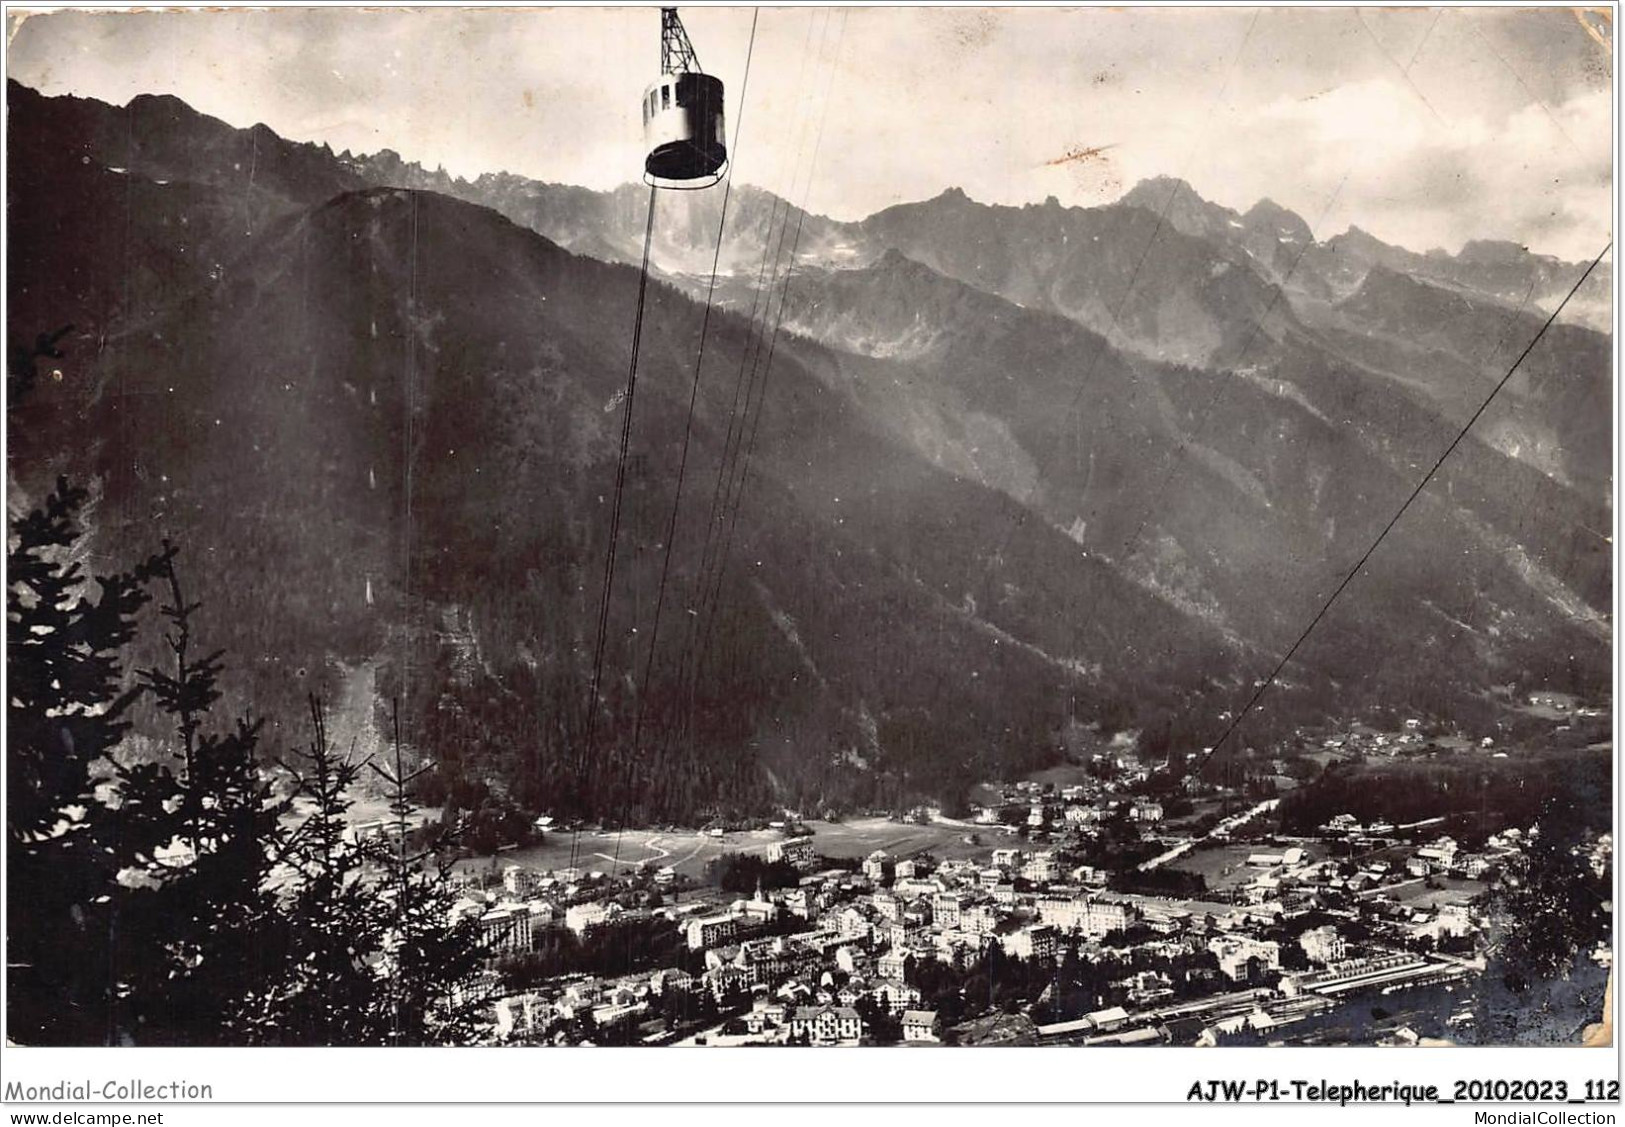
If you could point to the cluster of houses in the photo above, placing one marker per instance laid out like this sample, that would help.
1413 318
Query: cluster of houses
813 958
804 964
1440 857
841 941
1413 733
529 901
1283 883
1070 810
789 1016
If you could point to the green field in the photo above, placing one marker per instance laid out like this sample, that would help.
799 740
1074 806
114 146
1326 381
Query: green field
686 851
1454 891
1064 775
862 836
1224 866
689 851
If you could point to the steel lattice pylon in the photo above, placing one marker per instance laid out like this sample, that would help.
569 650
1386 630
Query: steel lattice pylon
676 52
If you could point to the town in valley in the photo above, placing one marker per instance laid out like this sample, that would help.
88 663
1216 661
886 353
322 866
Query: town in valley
1135 905
523 538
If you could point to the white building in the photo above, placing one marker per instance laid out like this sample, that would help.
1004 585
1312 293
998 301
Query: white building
1144 810
797 851
1441 853
920 1025
1241 956
505 930
1007 858
1090 916
1323 945
709 931
579 917
519 1014
874 865
827 1025
946 907
1042 868
519 881
979 919
852 924
1036 942
1342 824
893 965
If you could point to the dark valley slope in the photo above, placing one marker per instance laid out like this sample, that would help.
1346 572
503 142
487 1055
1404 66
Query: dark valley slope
1242 496
385 436
1018 469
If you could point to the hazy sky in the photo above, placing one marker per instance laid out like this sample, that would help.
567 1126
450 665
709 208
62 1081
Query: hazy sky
1426 126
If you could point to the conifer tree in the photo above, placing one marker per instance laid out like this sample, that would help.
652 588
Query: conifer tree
207 926
433 959
155 902
66 710
68 702
329 988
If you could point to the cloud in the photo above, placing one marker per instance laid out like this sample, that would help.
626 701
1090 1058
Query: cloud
1538 175
1438 124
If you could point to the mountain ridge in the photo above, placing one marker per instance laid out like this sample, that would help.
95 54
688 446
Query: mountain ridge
1059 486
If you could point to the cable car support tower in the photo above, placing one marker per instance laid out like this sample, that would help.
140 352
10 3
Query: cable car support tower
676 52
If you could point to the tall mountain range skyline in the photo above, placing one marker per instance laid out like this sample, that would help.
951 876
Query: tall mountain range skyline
1077 470
1429 127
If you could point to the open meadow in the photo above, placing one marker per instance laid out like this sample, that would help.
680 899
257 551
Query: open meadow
688 851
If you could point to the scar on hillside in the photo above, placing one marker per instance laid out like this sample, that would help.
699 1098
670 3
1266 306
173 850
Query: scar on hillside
1080 153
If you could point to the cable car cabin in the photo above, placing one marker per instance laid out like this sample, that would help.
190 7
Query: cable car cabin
682 129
